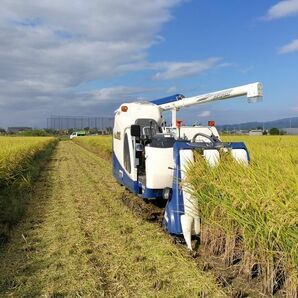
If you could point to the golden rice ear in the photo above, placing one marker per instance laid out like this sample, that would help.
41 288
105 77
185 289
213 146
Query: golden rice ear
21 161
258 203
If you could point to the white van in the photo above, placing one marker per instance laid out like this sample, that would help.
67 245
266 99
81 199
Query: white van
77 134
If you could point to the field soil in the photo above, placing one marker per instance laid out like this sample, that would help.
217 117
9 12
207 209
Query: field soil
78 239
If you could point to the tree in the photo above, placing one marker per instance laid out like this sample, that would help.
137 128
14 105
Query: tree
33 133
51 131
274 131
109 130
70 131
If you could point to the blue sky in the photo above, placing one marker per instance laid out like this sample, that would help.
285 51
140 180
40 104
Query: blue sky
238 33
86 58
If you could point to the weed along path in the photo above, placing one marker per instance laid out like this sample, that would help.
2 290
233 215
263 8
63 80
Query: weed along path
78 239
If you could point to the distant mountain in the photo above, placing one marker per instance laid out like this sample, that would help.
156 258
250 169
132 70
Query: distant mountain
281 123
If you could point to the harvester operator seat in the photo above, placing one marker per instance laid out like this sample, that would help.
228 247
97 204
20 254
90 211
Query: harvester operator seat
149 128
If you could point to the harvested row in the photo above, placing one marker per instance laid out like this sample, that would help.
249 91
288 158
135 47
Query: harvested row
21 159
79 240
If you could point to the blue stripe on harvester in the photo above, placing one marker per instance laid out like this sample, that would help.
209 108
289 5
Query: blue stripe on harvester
168 99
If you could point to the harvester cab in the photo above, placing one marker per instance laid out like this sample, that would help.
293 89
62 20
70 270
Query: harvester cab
151 159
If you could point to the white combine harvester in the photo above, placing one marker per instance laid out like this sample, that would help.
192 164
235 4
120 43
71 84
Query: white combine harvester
150 159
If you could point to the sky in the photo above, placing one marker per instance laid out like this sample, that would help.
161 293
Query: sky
85 58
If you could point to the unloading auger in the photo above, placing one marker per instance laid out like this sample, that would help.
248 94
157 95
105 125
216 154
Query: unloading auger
151 159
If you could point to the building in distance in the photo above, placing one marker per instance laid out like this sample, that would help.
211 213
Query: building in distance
290 131
16 129
255 132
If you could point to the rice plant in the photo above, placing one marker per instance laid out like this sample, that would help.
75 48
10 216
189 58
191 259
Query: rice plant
97 144
21 159
16 153
256 204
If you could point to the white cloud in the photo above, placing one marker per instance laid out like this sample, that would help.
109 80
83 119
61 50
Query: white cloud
246 70
27 109
290 47
282 9
50 47
173 70
172 89
116 94
204 114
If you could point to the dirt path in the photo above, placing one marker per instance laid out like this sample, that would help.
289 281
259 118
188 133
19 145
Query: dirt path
79 240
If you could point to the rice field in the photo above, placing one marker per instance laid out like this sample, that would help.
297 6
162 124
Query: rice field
16 154
78 239
249 223
249 214
21 160
97 144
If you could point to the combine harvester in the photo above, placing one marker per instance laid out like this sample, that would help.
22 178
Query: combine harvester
150 159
